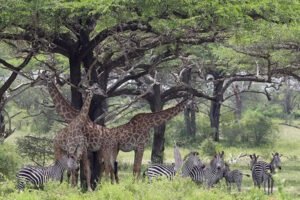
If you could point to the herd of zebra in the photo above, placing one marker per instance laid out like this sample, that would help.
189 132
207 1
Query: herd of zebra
191 166
212 173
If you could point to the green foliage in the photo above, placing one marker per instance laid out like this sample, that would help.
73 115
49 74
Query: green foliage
255 128
209 147
37 149
158 190
9 160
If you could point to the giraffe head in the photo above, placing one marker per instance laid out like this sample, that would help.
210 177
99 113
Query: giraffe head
94 89
44 78
191 105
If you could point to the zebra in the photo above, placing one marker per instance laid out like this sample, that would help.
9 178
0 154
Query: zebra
190 161
155 170
209 175
275 162
38 175
260 172
233 176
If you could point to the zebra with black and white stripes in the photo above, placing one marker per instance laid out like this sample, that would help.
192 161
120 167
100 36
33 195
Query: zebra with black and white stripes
259 169
189 162
158 170
209 175
38 175
275 162
233 176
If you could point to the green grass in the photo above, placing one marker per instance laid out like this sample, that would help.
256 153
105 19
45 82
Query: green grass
287 181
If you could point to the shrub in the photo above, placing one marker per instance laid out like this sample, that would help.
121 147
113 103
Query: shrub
209 147
257 128
9 160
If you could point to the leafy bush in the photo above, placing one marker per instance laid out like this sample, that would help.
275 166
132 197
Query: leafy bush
232 133
257 128
209 147
9 160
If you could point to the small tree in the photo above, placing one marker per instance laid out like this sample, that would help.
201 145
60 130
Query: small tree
257 127
37 149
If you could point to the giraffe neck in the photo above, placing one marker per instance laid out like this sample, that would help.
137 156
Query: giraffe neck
62 106
158 118
84 112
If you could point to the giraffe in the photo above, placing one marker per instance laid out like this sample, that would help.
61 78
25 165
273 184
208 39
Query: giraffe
97 136
131 136
134 135
73 140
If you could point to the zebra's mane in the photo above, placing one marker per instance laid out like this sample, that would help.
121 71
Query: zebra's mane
194 153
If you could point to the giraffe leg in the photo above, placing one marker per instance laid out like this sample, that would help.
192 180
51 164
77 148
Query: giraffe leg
101 164
138 157
74 177
115 152
108 164
87 169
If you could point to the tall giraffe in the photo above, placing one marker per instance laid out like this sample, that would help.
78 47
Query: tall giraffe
97 136
73 140
133 135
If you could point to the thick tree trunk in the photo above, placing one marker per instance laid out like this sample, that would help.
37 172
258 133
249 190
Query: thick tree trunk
158 145
2 125
75 78
190 122
215 110
238 102
189 115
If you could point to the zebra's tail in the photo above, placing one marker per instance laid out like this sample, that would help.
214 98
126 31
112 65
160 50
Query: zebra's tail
248 175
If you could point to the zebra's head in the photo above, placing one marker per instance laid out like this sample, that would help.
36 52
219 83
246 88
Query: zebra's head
193 159
218 161
253 160
68 162
74 158
276 161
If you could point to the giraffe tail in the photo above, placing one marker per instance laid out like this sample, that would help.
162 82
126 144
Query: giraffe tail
116 168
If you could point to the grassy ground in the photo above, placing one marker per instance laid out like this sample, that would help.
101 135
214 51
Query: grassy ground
287 181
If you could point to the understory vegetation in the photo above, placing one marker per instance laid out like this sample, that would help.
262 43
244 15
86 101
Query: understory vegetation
287 182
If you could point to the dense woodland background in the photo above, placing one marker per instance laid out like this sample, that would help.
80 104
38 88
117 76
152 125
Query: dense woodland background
239 59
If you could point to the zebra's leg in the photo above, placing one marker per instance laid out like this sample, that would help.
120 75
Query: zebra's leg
228 186
239 185
272 184
138 156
